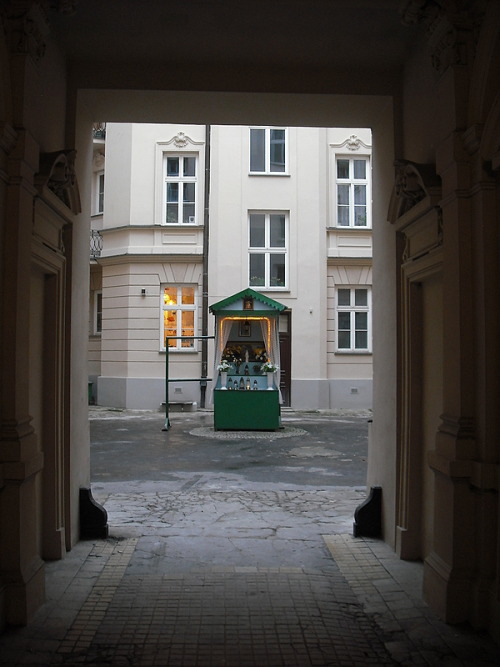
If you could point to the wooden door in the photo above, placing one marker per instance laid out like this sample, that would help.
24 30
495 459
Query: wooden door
285 338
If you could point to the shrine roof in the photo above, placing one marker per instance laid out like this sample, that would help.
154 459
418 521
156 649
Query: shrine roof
231 303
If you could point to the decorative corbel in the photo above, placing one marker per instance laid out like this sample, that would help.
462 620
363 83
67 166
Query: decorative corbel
452 29
57 173
412 183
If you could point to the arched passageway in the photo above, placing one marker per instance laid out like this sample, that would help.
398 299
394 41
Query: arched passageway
430 95
375 112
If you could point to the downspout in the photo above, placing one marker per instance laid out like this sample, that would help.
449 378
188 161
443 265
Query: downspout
204 297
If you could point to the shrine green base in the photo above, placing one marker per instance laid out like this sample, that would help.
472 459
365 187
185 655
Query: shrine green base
246 410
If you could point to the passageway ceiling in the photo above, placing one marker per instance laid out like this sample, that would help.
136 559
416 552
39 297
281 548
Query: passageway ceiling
320 46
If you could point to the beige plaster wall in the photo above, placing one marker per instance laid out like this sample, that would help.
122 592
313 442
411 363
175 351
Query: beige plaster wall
78 465
134 175
298 194
117 184
306 193
130 339
382 445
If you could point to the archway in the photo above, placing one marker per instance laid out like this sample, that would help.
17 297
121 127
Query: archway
375 112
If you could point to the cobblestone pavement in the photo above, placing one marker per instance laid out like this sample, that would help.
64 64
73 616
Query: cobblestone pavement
214 568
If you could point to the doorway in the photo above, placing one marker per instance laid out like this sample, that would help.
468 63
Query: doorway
285 339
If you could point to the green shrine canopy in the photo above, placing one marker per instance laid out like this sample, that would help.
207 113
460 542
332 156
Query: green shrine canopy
248 305
244 303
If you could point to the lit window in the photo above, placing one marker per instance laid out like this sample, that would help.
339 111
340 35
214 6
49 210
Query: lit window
268 260
180 189
353 319
353 192
179 316
268 150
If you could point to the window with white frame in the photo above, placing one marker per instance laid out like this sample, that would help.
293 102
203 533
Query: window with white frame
181 182
97 312
268 150
353 319
268 245
98 190
353 191
178 316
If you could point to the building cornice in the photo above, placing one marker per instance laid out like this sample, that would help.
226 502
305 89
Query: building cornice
154 227
349 261
127 258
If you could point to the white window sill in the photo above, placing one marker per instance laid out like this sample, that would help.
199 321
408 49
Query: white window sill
269 173
351 229
365 353
176 225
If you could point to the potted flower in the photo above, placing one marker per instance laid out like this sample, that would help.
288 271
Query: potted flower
223 368
269 368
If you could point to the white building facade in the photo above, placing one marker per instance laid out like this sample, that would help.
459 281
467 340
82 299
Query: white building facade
186 215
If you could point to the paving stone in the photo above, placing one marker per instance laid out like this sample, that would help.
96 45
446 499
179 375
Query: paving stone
207 569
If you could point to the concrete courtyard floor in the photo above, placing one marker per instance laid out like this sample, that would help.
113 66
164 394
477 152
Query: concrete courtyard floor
232 549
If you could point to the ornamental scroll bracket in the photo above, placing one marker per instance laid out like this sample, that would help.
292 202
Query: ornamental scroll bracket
181 140
352 143
57 173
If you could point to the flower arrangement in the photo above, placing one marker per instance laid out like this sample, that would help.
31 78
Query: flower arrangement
224 366
269 367
233 354
260 354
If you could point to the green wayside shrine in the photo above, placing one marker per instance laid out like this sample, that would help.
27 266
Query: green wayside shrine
246 362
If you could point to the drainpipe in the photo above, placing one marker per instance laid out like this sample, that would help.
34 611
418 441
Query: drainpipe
204 298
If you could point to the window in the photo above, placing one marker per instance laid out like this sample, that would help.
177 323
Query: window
180 189
353 319
100 192
268 151
98 198
179 316
268 250
353 192
97 312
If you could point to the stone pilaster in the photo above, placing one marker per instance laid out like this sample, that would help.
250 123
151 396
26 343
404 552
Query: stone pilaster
20 456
